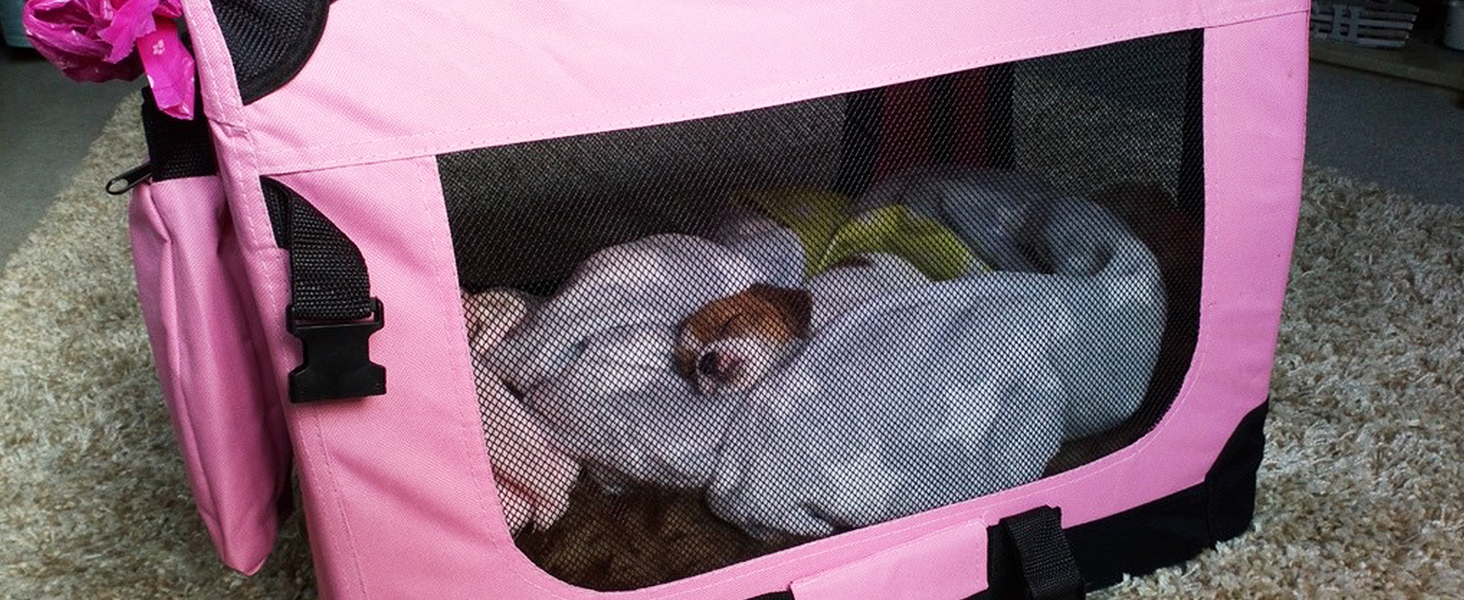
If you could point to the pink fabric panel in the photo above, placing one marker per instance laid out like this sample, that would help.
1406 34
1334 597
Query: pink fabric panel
400 499
393 80
947 565
229 426
399 493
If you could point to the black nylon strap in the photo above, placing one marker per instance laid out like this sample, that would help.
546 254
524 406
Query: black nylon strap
1044 558
331 308
177 148
328 278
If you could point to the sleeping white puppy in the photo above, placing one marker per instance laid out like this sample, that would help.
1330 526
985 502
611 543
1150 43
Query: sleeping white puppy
728 345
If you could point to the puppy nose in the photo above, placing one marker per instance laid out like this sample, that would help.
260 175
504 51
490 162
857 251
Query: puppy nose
708 364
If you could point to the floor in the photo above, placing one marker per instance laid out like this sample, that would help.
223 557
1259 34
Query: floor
1402 135
1405 136
46 124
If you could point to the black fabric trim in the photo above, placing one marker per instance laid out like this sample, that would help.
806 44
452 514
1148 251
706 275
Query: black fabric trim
1231 483
1162 533
860 140
1165 532
1177 527
269 40
177 148
1000 145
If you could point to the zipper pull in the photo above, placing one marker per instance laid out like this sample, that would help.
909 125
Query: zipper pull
129 179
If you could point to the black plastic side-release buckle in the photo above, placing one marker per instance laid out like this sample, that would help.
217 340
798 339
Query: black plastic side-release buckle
337 362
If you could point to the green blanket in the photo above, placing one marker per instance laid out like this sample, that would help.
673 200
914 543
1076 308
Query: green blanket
830 234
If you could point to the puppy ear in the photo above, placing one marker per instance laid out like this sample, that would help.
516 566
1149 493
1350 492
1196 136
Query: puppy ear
794 306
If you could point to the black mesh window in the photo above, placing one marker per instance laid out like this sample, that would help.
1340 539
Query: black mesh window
701 342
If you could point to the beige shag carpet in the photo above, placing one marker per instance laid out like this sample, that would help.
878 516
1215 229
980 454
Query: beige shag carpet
1362 490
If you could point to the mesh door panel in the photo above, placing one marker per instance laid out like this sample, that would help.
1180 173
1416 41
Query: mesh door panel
664 395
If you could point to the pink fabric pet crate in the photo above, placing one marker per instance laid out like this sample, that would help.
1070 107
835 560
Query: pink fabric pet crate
725 300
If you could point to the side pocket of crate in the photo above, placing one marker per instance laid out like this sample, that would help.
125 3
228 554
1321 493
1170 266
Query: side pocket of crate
201 324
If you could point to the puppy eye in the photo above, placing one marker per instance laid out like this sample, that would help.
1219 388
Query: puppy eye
731 320
707 364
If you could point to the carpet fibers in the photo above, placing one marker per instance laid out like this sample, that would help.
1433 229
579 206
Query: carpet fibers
1362 490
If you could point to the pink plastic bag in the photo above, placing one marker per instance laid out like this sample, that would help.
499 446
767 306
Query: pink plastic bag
94 40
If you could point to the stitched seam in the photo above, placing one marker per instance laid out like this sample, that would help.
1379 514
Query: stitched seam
1200 360
220 95
208 46
311 419
301 164
1095 469
471 434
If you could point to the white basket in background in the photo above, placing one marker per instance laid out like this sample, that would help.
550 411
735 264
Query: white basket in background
1369 23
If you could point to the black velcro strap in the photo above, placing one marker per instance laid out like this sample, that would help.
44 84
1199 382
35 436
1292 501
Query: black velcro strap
177 148
1043 556
331 308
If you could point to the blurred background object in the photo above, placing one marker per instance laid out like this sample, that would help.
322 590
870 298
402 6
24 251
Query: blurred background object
1368 23
14 34
1406 40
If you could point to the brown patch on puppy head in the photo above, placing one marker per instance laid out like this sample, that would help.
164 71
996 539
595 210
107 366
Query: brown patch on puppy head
760 312
794 308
